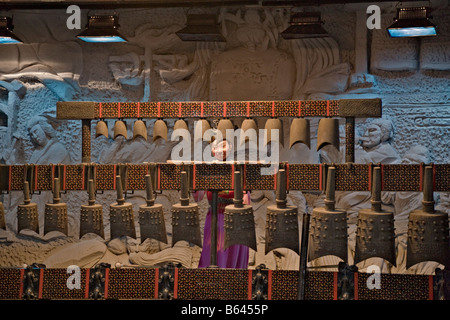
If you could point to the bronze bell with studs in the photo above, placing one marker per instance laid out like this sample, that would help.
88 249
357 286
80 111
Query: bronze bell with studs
185 217
375 228
91 216
328 229
27 213
239 221
55 214
282 220
428 229
151 215
121 217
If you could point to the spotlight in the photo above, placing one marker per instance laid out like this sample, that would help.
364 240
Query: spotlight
201 27
102 29
6 34
412 22
304 25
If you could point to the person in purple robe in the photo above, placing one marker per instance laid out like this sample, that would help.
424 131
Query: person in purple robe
235 256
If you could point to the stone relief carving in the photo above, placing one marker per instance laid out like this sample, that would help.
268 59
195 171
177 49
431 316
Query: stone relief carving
255 62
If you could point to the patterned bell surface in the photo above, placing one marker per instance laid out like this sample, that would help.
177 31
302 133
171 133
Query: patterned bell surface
91 215
282 220
27 213
428 229
121 216
186 217
328 228
55 214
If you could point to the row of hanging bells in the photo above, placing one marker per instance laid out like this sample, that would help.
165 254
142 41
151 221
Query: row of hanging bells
327 134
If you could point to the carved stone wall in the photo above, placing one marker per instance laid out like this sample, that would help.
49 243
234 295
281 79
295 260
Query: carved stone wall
411 77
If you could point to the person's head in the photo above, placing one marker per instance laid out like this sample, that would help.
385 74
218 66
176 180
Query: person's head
378 131
221 149
40 130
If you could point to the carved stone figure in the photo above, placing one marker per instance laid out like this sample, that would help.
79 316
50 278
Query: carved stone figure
47 147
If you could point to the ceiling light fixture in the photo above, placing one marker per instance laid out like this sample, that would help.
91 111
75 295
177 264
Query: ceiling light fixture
102 29
201 27
304 25
6 34
412 22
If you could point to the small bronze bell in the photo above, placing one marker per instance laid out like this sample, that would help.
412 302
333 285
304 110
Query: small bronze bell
120 129
239 221
91 216
139 129
186 217
328 133
428 230
121 215
328 229
201 126
282 220
375 228
300 132
55 215
27 213
101 129
273 124
247 126
225 125
160 130
151 216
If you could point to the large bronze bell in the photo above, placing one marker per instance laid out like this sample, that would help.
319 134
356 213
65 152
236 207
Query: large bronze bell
375 228
151 216
27 213
328 133
55 215
101 129
273 124
200 128
428 229
282 220
225 125
239 221
328 229
186 217
121 215
120 129
91 216
247 126
140 129
159 130
300 132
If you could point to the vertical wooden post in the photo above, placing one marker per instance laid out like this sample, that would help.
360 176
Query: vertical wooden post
86 141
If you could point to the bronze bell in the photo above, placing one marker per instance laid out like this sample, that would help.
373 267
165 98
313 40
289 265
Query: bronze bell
151 216
121 217
55 215
223 126
120 129
139 129
160 130
201 126
328 133
328 229
2 217
27 213
186 217
248 125
375 228
428 229
273 124
300 132
282 220
101 129
91 216
239 221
